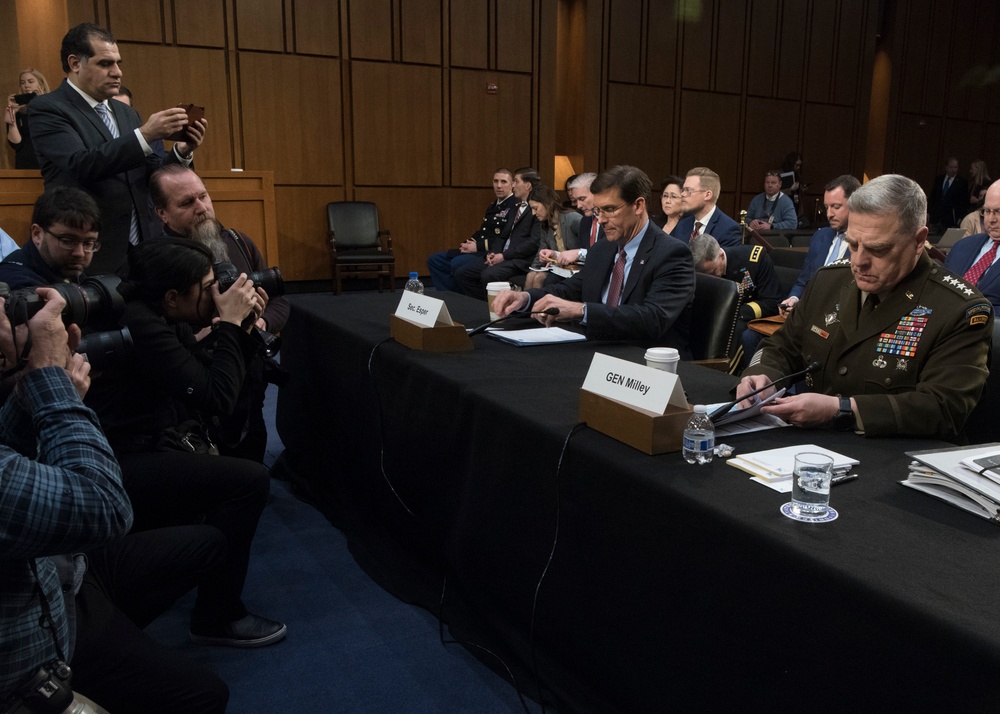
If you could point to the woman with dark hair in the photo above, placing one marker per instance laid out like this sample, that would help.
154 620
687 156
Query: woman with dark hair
559 228
154 407
31 82
670 203
979 181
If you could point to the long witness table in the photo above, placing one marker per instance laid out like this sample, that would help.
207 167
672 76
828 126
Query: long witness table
667 587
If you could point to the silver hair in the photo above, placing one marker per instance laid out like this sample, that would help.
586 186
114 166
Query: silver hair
583 181
703 247
895 195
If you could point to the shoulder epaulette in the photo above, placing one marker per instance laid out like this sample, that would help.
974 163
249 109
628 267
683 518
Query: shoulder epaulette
842 263
955 283
755 254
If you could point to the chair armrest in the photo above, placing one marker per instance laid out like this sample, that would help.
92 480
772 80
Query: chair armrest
719 363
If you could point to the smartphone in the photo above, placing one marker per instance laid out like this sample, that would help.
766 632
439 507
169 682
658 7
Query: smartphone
194 113
22 99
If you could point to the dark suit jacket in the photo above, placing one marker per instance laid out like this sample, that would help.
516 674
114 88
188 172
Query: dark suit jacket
961 257
946 209
819 246
720 226
75 148
525 235
656 299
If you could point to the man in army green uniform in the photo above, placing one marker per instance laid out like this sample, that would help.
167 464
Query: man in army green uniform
446 266
754 273
901 342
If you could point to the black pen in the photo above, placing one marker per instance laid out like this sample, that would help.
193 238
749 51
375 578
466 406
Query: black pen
842 478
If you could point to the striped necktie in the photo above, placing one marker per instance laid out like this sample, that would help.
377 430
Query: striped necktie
105 114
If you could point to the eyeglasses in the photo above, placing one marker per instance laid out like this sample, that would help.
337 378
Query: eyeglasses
687 190
672 196
990 213
598 212
89 246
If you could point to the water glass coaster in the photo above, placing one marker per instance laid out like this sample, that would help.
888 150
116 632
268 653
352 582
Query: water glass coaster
830 515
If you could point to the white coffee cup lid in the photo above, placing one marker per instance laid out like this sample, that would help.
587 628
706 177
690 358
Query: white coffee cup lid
662 354
498 286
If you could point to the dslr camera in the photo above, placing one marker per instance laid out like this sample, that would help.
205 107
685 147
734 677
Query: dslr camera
94 303
269 279
47 691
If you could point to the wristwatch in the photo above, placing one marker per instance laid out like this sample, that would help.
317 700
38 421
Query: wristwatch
844 420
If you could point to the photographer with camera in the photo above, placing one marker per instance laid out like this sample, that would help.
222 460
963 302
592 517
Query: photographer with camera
153 410
66 496
184 205
65 225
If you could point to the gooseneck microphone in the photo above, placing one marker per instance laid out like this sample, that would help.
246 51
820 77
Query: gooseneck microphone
724 409
485 325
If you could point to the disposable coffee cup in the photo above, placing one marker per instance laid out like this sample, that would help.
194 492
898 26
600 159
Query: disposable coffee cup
492 290
665 358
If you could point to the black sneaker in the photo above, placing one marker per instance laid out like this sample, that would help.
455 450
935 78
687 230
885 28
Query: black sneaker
250 631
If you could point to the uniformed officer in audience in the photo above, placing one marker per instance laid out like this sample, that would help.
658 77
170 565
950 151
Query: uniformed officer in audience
901 343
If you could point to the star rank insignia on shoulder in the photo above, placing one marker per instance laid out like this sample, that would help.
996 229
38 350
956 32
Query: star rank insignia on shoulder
957 284
842 263
758 250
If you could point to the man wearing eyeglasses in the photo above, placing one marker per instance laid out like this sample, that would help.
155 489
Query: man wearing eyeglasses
975 258
64 237
699 195
636 285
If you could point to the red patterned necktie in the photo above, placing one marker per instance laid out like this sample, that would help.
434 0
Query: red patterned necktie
973 274
697 229
617 278
593 231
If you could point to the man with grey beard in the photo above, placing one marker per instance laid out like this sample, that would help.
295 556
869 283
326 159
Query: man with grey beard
183 204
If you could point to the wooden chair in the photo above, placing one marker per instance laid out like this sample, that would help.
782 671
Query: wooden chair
713 320
358 248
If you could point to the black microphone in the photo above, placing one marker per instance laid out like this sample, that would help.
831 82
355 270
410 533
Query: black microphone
485 325
724 409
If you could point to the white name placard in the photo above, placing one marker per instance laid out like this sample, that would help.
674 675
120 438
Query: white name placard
422 310
634 384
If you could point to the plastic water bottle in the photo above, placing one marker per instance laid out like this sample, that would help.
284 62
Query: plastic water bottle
414 285
699 437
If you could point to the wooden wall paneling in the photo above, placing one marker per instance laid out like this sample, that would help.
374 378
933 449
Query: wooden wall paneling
299 137
79 11
135 20
421 30
771 131
18 192
397 124
963 138
302 228
624 41
544 83
914 34
515 35
709 135
199 23
697 38
162 77
469 36
260 25
10 65
729 54
661 43
317 28
855 36
573 91
372 29
916 137
640 128
40 27
826 140
938 50
765 41
822 52
967 95
488 130
457 215
991 149
791 55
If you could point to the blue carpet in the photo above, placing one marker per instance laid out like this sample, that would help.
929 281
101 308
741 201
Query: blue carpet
351 646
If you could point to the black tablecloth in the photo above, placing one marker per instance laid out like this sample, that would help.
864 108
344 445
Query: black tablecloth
663 585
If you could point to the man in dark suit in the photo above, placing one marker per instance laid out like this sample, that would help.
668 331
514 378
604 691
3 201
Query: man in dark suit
699 195
949 199
590 230
84 141
827 245
975 258
638 284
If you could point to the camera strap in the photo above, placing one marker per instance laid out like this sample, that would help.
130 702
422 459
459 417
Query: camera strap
45 621
241 244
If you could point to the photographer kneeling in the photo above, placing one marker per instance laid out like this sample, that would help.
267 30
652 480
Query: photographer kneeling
153 410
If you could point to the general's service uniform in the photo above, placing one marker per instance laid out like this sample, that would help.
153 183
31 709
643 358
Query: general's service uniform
760 292
915 365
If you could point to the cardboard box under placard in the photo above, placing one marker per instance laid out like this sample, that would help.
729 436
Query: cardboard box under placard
648 432
440 338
